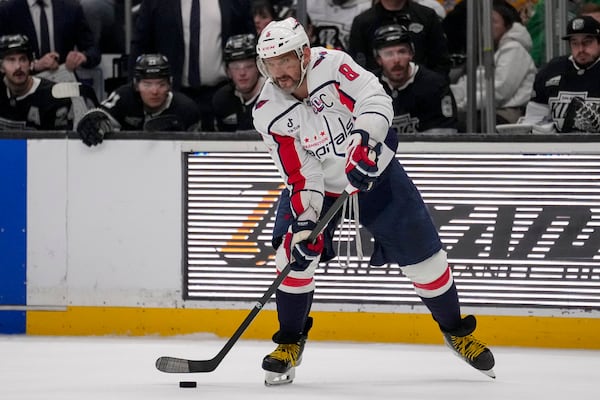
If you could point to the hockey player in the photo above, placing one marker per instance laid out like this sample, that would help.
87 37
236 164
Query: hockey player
422 99
564 78
26 101
233 102
326 122
146 104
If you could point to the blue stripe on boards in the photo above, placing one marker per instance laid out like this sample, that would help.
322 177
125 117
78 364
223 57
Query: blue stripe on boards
13 235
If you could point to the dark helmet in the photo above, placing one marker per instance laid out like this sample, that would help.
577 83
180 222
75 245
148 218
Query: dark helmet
151 66
14 44
389 35
240 47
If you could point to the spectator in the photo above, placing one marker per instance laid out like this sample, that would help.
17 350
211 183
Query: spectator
106 19
27 102
233 102
197 58
591 9
567 77
421 98
148 104
536 27
514 70
58 30
263 13
435 6
332 20
422 22
455 28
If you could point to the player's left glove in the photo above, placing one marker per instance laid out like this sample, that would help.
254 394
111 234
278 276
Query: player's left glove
302 251
94 126
361 161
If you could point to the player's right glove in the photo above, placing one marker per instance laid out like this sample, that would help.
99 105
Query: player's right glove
361 161
302 251
94 125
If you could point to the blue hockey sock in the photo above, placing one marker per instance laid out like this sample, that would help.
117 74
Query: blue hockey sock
292 311
445 309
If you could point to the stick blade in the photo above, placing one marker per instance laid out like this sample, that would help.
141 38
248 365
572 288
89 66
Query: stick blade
174 365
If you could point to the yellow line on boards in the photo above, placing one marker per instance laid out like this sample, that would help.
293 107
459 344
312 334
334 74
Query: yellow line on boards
524 331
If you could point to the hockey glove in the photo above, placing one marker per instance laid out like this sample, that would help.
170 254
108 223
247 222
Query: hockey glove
94 125
582 116
361 161
303 252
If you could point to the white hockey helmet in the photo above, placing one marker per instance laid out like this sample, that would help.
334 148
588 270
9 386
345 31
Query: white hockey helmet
280 37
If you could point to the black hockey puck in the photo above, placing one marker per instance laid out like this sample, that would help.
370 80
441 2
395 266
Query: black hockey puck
187 384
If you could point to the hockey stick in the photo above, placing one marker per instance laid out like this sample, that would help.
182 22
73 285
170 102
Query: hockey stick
182 365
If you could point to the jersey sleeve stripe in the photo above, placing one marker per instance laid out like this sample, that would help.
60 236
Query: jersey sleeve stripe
291 164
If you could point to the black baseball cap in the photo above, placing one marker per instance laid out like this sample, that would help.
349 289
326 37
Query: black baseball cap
584 25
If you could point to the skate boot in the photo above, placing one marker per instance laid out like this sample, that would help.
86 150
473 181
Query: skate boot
280 365
467 347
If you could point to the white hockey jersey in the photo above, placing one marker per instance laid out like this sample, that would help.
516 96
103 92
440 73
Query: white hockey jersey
307 139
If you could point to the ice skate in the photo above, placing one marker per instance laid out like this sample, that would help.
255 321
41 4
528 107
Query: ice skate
280 365
467 347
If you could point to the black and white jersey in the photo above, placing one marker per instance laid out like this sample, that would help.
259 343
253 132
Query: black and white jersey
232 112
37 109
560 80
126 107
424 103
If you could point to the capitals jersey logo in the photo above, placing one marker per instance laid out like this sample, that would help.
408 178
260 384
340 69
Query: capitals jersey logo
319 102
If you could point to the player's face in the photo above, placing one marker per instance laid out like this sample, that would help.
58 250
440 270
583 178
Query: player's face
154 92
585 49
394 62
284 70
244 75
16 68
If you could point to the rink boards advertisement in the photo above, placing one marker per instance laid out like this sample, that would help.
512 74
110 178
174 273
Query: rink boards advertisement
173 236
519 230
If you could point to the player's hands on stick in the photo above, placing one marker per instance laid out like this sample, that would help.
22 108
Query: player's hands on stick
92 128
361 161
302 251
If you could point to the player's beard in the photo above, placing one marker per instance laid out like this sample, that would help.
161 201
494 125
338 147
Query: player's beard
584 60
287 83
399 74
18 78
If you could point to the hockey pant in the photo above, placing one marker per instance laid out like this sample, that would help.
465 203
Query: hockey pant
404 233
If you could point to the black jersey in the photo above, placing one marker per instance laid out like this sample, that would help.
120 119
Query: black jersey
560 80
231 111
423 24
37 109
424 103
126 106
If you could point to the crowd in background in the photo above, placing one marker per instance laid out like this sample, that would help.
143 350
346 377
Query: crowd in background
416 47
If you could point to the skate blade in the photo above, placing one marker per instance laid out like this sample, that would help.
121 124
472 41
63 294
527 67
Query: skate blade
489 372
277 378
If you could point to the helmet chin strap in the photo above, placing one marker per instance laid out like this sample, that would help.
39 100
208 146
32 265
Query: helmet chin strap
303 69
